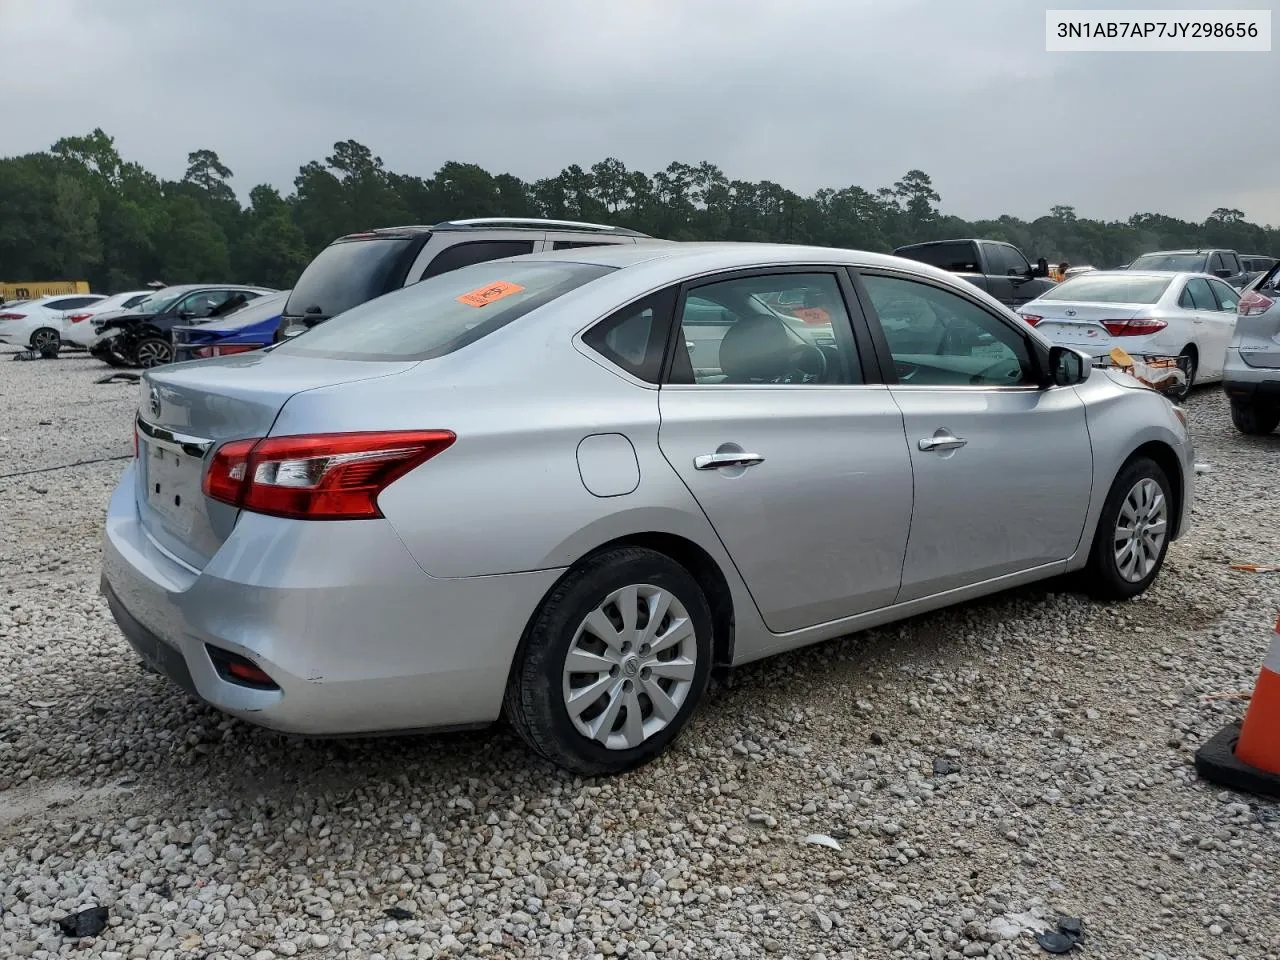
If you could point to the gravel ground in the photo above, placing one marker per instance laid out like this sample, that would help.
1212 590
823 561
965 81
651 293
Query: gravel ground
983 770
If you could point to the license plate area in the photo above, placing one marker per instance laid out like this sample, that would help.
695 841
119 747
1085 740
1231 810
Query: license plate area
173 486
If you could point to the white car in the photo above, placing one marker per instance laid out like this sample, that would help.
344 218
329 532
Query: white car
1155 314
38 323
77 325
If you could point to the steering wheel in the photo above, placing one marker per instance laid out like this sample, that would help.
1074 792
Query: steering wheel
809 362
1010 370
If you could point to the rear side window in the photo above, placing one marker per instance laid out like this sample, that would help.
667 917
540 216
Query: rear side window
956 257
575 244
635 337
348 273
71 303
442 314
1198 296
476 251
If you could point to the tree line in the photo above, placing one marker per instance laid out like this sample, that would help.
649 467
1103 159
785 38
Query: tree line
80 211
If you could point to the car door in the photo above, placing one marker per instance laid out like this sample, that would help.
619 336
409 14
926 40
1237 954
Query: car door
789 444
1206 325
1223 322
999 282
1017 269
1002 467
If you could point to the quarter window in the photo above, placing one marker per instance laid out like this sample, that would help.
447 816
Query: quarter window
938 338
790 328
477 251
634 337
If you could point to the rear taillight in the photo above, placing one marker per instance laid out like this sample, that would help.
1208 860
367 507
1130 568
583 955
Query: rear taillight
333 476
1030 318
224 350
13 316
1253 303
79 317
1133 328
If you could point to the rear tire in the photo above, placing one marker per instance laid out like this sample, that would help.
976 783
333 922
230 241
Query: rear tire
1256 420
1132 536
46 341
1194 365
601 719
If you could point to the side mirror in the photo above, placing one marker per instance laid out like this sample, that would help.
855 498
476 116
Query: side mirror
1222 272
1068 367
187 314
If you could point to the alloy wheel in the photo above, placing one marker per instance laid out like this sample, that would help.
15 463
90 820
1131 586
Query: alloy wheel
153 353
44 339
1141 529
630 667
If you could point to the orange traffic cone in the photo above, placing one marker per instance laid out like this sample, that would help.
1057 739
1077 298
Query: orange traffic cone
1247 756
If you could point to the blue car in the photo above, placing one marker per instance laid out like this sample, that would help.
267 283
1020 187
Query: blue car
249 327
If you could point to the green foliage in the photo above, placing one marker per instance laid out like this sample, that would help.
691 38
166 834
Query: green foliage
79 211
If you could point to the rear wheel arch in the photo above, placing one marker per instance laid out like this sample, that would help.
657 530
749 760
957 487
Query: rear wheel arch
701 566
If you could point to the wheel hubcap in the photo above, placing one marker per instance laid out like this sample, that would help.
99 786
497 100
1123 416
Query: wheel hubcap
152 354
44 339
630 667
1141 530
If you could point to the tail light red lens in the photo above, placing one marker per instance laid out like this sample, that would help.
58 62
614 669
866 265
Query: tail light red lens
13 316
1252 304
1133 328
1030 318
333 476
223 350
79 317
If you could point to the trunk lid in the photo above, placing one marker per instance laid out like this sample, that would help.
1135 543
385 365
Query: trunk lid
184 412
1079 324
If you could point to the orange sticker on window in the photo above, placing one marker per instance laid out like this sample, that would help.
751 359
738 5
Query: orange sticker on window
483 296
811 314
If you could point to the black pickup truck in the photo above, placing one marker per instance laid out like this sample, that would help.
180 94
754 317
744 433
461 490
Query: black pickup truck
996 267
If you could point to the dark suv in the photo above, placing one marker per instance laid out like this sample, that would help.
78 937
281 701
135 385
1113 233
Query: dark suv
356 268
1219 263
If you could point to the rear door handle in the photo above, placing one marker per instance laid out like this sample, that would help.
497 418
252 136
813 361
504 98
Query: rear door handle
942 441
716 461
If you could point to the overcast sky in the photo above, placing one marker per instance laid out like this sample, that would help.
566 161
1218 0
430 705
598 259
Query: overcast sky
808 93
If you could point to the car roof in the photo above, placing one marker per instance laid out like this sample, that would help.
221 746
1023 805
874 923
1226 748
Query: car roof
517 224
697 257
184 287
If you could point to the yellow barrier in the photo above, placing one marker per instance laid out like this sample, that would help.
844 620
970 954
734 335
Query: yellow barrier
51 288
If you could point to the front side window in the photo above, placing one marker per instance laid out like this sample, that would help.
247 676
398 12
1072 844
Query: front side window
938 338
1006 261
478 251
733 332
442 314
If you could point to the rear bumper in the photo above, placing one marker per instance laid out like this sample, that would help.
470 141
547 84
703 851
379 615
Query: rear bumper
357 638
1243 383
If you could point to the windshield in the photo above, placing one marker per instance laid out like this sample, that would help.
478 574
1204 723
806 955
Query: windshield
1089 288
348 273
250 312
157 302
442 314
1170 262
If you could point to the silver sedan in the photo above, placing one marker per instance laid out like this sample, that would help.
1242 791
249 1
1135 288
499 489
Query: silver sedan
567 488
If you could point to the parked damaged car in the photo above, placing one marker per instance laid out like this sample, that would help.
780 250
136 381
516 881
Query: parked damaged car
143 335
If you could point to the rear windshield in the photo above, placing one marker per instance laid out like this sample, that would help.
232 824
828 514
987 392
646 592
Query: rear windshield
442 314
956 257
1171 262
348 273
1095 289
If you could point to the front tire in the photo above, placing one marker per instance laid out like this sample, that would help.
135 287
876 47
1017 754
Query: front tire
1255 420
613 663
152 352
1132 537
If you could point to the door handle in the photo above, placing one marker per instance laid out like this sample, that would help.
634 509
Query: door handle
943 441
715 461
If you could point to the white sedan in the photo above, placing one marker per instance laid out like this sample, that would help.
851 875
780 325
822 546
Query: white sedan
77 325
38 323
1156 314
